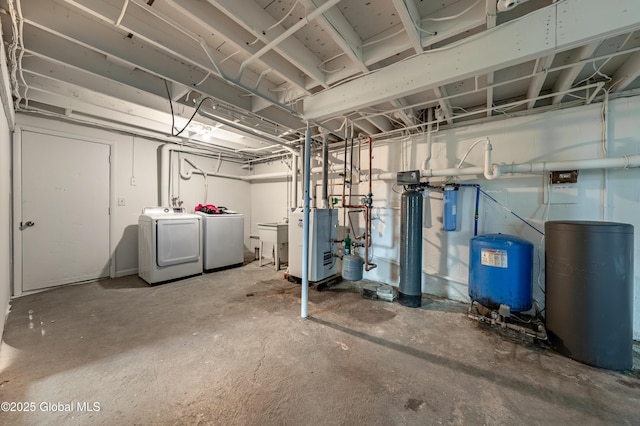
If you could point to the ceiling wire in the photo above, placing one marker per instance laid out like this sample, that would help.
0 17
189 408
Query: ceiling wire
17 44
264 32
449 18
13 48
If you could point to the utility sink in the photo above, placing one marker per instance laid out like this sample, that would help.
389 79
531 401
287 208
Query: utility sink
276 233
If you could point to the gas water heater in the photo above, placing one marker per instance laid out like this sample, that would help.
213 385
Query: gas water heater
323 232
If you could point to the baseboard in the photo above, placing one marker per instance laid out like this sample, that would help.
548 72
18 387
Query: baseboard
125 272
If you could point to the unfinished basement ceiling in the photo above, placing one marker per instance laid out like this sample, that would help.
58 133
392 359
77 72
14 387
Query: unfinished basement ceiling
260 69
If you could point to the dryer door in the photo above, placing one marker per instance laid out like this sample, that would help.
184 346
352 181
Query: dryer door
177 241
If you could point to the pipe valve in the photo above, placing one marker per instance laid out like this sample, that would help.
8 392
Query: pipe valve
368 200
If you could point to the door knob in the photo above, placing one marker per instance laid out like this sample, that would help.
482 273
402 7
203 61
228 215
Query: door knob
27 224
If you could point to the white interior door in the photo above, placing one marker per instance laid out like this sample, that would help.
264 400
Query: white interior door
65 210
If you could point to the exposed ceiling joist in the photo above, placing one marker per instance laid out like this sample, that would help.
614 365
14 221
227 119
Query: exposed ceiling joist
344 35
492 15
255 19
407 115
443 101
541 70
410 17
364 60
442 25
237 37
627 73
568 76
558 27
83 31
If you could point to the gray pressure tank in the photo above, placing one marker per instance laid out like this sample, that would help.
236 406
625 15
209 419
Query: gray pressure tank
589 291
410 289
352 267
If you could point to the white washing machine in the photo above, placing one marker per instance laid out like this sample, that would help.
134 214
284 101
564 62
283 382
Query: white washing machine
169 244
223 240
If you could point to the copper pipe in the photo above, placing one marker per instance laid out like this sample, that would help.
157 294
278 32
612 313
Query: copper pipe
367 209
370 162
367 265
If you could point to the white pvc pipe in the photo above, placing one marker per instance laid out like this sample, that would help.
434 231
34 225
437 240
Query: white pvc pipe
550 166
294 182
490 172
526 168
425 163
494 170
165 164
304 298
197 170
325 171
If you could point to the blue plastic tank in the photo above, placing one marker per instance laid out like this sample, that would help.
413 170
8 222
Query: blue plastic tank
501 271
450 213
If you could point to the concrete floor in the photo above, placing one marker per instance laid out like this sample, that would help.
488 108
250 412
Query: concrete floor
230 348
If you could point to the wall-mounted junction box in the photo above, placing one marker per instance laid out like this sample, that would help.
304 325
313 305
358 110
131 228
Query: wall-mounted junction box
561 187
411 177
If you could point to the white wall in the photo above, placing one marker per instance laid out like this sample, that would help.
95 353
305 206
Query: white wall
231 193
138 157
5 218
560 135
270 199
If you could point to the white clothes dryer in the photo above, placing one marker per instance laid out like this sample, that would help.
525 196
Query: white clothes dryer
169 244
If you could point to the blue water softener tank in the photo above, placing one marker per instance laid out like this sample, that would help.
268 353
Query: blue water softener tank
450 213
501 272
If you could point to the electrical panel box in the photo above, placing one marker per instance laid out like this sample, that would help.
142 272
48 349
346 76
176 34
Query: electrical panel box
323 231
561 187
568 176
411 177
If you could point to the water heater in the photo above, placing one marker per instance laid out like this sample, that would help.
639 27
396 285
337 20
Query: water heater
323 231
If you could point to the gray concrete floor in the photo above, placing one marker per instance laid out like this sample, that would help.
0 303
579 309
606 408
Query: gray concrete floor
230 348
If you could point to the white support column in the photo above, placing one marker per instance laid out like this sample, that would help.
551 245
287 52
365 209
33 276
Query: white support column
304 298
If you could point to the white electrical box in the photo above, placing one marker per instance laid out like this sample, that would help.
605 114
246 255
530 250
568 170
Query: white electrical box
323 231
